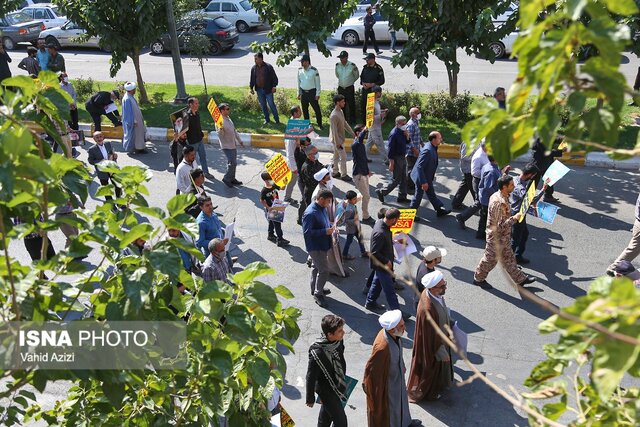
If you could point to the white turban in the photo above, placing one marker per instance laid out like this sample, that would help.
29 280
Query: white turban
129 86
390 319
318 176
432 279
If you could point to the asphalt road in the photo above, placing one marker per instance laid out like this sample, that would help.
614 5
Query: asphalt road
477 75
592 227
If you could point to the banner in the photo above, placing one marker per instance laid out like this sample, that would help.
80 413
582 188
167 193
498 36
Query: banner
180 120
405 222
526 201
277 210
371 99
555 172
297 128
215 113
279 170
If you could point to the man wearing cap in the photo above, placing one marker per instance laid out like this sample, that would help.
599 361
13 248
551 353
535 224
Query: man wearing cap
431 257
229 140
632 250
337 127
56 61
498 247
423 175
371 75
383 382
369 34
264 80
309 89
347 74
98 104
431 365
134 129
293 153
317 232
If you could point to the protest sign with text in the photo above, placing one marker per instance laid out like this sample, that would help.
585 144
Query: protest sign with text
215 113
526 201
297 128
405 222
371 99
555 172
279 170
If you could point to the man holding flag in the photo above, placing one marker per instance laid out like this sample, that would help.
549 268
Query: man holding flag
520 199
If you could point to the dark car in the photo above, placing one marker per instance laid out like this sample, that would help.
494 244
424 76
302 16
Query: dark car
19 28
221 33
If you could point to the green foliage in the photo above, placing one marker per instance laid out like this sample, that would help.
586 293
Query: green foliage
125 26
586 367
443 106
233 365
295 24
85 88
7 6
550 75
440 28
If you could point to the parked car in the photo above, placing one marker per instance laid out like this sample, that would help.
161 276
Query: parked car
239 12
69 35
49 15
18 27
364 4
352 31
221 33
26 3
504 47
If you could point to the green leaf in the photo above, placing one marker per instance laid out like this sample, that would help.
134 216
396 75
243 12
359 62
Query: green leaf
622 7
252 271
555 410
544 371
152 211
259 371
18 142
262 294
284 292
114 392
137 232
611 361
179 203
239 325
222 363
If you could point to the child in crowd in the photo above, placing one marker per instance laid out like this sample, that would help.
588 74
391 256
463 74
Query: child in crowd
352 224
268 194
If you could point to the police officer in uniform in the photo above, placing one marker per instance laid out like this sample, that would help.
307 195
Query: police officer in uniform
309 89
371 75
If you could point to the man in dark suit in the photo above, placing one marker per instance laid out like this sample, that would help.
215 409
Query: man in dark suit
97 106
423 174
102 150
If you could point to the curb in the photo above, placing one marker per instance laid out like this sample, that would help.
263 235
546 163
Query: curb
447 151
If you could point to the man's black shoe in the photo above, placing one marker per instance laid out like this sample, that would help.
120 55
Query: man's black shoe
319 299
481 236
228 183
458 208
483 284
369 221
374 306
326 291
403 200
460 222
522 260
272 238
443 212
236 182
380 196
282 242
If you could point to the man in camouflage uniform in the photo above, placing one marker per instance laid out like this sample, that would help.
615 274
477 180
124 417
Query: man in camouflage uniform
499 224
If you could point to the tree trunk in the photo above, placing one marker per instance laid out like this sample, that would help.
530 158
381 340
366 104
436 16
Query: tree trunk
453 82
204 80
135 57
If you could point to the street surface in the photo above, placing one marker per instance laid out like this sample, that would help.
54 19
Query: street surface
477 75
592 227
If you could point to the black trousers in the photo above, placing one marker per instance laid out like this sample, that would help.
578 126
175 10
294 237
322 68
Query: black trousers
117 189
549 191
349 93
411 161
331 411
277 227
370 35
466 186
482 224
306 201
34 247
73 123
309 97
97 119
519 236
471 210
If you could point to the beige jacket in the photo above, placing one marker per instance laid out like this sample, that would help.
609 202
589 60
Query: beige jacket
228 135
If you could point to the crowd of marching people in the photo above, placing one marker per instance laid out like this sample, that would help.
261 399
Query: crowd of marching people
412 164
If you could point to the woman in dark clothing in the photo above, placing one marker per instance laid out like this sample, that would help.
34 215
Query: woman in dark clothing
326 373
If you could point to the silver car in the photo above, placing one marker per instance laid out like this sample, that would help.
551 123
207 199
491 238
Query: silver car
69 35
352 31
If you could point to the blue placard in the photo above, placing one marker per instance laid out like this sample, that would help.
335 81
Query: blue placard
297 128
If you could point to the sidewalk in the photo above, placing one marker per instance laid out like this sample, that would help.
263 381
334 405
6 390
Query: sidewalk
579 158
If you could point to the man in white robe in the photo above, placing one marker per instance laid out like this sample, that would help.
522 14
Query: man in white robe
132 122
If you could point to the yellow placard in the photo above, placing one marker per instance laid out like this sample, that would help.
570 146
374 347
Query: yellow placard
526 201
563 145
285 418
405 222
279 170
215 113
371 99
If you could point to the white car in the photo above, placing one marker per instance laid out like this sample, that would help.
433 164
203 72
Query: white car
504 47
239 12
48 14
68 35
352 31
